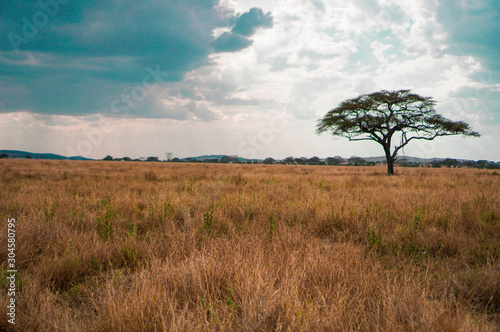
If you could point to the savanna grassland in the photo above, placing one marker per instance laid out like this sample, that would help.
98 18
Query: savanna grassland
116 246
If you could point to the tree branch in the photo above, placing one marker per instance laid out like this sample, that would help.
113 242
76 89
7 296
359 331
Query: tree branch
396 149
360 139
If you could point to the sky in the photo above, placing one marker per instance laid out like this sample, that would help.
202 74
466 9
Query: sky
239 77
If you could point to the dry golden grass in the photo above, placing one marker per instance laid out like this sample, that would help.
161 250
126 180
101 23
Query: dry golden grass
113 246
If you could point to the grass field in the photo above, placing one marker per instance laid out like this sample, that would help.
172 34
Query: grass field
115 246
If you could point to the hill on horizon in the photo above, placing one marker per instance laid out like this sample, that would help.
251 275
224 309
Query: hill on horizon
34 155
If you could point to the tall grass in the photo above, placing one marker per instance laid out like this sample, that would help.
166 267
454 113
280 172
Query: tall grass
156 246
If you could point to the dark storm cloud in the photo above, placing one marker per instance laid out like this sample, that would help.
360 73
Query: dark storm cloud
248 23
245 26
229 42
72 57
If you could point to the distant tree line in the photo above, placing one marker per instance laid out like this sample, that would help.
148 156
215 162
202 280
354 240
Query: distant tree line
483 164
6 156
110 158
330 161
452 163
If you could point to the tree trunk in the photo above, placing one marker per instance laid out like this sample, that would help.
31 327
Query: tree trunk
390 159
390 166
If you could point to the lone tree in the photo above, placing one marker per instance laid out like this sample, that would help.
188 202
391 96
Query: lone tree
392 119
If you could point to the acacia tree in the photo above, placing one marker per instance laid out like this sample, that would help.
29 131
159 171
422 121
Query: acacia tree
392 119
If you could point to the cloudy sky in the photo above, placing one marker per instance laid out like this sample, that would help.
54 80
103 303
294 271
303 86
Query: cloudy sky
239 77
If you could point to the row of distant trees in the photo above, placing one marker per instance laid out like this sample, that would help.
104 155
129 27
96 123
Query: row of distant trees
6 156
468 163
110 158
357 161
148 159
335 161
330 161
452 163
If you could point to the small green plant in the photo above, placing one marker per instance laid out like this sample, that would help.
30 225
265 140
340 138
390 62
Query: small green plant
374 238
211 317
490 217
78 219
208 222
105 219
417 220
272 227
414 251
131 228
230 301
118 275
129 255
52 211
168 211
151 214
74 290
73 293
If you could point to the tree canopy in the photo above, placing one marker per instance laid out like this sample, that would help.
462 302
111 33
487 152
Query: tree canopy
380 116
